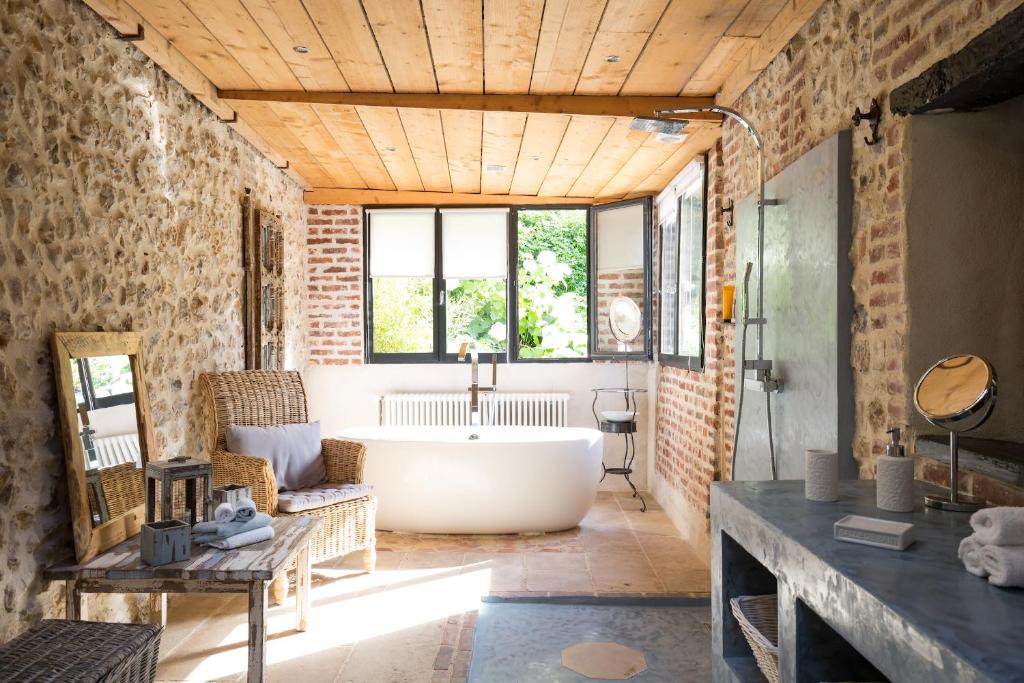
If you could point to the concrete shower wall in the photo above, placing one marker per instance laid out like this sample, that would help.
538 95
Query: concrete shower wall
965 275
808 305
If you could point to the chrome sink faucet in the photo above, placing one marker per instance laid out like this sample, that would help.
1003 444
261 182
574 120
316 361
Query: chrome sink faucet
470 347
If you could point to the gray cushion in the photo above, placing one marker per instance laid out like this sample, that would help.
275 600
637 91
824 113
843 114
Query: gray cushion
293 450
320 496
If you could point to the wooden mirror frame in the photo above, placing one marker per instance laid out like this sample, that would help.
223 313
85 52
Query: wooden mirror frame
91 540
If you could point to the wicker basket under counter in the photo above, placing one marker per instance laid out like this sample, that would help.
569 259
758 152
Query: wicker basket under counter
758 617
82 652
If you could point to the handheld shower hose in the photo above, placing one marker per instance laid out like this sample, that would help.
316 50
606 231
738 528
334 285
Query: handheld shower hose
741 390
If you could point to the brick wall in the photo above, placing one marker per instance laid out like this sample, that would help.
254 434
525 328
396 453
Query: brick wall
335 266
849 52
692 407
611 284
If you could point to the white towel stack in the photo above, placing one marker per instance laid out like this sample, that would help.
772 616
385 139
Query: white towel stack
996 548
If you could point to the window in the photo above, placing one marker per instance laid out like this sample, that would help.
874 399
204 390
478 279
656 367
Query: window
683 244
474 264
620 267
507 279
401 287
551 278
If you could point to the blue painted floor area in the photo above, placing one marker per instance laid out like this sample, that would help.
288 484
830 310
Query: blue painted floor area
523 643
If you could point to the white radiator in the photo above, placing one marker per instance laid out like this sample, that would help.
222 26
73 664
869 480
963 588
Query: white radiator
547 410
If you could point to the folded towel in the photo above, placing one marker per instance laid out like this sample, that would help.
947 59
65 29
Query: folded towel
999 526
245 510
225 512
1004 564
970 553
234 528
227 529
239 540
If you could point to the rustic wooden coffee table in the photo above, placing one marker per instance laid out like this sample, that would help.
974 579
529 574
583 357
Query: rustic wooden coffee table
245 570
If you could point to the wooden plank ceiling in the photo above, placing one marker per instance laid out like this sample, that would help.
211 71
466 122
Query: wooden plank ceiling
463 146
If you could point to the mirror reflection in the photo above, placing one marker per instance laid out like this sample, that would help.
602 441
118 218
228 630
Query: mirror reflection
108 429
954 389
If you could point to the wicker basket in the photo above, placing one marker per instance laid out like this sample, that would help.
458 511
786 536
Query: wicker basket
758 616
82 652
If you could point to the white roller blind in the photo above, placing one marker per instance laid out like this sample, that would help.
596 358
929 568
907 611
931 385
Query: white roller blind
401 242
620 238
474 243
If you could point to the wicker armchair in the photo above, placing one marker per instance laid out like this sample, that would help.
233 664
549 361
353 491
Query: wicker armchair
261 398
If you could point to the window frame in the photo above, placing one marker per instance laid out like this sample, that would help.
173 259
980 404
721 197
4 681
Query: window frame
647 352
440 304
513 264
675 360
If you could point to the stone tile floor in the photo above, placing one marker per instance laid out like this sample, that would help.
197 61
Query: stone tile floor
413 619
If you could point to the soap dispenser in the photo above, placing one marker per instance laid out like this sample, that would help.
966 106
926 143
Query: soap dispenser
895 475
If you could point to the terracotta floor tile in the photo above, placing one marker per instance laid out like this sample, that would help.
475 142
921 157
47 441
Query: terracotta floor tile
569 563
556 581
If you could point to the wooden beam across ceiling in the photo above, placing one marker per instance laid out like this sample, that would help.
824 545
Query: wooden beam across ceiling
577 105
332 195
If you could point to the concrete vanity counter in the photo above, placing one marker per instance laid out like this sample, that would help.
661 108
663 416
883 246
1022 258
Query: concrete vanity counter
852 612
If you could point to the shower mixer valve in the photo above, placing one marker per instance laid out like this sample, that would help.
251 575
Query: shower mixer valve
757 376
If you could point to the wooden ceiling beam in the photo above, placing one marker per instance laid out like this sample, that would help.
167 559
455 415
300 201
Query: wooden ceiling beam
335 195
576 105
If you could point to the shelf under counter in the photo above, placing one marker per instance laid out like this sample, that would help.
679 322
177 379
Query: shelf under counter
914 615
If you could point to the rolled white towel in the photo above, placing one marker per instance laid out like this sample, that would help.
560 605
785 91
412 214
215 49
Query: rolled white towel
1004 564
999 526
970 553
224 513
245 538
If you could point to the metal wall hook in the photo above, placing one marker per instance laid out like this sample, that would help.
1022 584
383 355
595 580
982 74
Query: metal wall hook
873 116
727 209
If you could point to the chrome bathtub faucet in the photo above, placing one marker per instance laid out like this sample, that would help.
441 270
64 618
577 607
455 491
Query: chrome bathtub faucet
474 387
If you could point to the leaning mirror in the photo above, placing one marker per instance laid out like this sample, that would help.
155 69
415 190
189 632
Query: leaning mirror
620 267
957 394
108 439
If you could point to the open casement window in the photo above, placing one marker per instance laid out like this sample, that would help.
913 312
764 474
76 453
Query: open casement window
683 247
551 285
620 265
435 279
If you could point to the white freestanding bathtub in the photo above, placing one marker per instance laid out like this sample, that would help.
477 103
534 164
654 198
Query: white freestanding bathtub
480 480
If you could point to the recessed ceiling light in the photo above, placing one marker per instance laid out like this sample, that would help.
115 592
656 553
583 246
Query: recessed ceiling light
613 59
301 49
494 168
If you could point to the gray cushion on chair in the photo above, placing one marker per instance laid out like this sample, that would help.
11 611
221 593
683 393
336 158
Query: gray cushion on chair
293 450
320 496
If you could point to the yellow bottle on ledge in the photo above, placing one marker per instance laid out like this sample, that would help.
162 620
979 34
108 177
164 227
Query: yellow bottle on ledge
728 297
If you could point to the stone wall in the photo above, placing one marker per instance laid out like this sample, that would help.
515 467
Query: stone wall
334 244
849 52
119 210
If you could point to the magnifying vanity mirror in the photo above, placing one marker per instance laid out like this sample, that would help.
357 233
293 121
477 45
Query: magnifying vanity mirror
958 394
626 320
108 438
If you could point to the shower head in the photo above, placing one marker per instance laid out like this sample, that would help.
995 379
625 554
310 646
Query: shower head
649 124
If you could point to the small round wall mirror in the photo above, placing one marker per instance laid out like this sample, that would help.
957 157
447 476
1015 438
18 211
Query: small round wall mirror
625 319
957 393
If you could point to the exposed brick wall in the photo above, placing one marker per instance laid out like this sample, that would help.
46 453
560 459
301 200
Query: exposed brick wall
849 52
611 284
693 406
335 265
